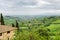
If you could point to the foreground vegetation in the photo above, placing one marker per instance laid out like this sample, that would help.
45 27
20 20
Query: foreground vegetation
46 29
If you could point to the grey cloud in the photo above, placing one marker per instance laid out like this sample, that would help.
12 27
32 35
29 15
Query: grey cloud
55 4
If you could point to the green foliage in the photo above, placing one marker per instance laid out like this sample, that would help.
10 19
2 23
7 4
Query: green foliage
13 25
2 20
33 34
47 28
17 25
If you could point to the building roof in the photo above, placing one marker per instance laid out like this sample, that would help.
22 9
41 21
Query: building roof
4 28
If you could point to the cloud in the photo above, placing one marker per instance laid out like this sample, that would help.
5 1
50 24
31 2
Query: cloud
37 3
44 4
29 7
55 4
5 3
14 4
41 2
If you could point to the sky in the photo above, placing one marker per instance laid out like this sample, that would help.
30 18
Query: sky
30 7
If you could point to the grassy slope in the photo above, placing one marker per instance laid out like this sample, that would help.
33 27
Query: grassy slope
55 27
9 22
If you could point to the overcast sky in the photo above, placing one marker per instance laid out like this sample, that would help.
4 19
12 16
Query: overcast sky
30 7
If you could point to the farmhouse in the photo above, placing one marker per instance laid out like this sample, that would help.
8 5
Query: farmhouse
6 32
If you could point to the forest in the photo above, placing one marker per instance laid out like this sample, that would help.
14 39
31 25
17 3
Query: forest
34 27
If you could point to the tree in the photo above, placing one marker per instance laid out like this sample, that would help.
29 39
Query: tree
2 20
17 25
44 33
13 25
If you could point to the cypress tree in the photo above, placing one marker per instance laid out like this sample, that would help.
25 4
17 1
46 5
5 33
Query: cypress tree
13 25
17 25
2 20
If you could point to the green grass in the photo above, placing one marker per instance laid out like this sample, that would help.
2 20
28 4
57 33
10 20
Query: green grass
9 22
54 27
57 21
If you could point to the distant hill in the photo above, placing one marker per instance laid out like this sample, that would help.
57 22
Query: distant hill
24 17
20 18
